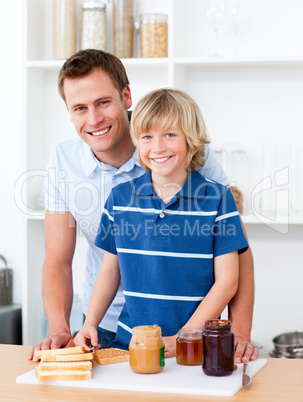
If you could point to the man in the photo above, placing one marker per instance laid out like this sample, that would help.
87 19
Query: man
82 171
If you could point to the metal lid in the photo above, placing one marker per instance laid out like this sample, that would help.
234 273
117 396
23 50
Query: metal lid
93 4
152 18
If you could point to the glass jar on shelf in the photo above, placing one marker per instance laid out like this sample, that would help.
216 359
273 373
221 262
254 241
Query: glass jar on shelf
233 158
64 28
93 25
154 35
123 25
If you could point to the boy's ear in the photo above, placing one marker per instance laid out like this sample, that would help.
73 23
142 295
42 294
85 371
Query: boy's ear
127 97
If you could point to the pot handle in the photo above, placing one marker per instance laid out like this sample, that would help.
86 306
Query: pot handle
6 271
296 350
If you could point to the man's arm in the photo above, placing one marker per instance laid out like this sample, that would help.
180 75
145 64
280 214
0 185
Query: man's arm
57 284
224 288
240 308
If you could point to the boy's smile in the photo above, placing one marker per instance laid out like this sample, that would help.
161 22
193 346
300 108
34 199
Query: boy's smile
164 152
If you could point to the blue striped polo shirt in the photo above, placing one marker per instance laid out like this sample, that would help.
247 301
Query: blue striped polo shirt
166 251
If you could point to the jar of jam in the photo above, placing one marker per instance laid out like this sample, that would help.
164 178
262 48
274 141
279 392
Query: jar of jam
218 348
189 346
146 349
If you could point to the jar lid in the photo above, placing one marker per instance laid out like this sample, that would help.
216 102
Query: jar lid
93 4
147 331
220 324
192 333
151 18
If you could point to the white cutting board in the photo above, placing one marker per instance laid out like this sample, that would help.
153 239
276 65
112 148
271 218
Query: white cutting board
173 379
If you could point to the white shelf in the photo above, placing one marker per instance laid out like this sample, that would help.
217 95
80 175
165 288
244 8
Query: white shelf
238 61
188 61
287 220
55 64
35 216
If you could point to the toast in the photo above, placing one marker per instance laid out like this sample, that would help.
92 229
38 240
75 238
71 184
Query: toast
68 358
62 351
65 366
63 375
111 355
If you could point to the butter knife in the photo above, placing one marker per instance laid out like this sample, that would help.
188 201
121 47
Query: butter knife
245 377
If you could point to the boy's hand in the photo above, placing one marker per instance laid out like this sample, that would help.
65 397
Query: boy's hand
170 345
88 335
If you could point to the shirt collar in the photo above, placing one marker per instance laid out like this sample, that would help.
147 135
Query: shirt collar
194 186
93 163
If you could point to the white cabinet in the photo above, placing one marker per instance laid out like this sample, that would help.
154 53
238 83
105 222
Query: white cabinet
245 100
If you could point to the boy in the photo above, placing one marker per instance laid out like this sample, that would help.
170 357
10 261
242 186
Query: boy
171 235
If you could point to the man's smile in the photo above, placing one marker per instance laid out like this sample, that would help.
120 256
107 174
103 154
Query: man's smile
101 132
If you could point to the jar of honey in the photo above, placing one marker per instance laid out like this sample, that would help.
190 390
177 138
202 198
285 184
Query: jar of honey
218 346
189 346
146 350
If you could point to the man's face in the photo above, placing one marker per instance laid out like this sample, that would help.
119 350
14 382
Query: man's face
98 113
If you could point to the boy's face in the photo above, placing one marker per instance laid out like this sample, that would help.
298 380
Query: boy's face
98 113
164 153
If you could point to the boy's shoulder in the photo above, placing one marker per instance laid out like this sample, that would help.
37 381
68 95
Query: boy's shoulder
211 186
127 186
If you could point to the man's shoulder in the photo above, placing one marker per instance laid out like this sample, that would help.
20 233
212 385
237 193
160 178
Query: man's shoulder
75 144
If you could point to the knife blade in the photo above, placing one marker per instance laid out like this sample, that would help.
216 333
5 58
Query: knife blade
245 377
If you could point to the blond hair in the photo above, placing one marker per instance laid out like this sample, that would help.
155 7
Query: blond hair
164 108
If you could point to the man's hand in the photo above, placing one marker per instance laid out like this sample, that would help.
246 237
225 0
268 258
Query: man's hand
245 350
170 345
54 341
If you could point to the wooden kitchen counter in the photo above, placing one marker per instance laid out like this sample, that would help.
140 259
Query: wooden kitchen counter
280 380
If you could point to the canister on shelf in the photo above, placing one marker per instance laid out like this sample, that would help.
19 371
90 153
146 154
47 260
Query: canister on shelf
65 28
218 348
154 35
189 346
146 349
123 24
93 25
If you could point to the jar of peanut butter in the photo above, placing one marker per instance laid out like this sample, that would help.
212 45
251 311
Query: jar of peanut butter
146 350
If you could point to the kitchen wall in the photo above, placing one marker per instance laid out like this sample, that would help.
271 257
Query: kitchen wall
276 248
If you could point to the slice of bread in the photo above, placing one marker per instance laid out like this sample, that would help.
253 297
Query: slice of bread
63 375
68 358
65 366
62 351
110 355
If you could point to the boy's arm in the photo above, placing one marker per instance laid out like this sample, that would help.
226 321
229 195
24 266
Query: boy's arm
224 288
104 291
240 308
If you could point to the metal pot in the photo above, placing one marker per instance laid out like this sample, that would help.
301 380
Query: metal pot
289 345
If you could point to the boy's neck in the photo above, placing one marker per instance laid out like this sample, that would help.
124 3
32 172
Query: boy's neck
166 188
